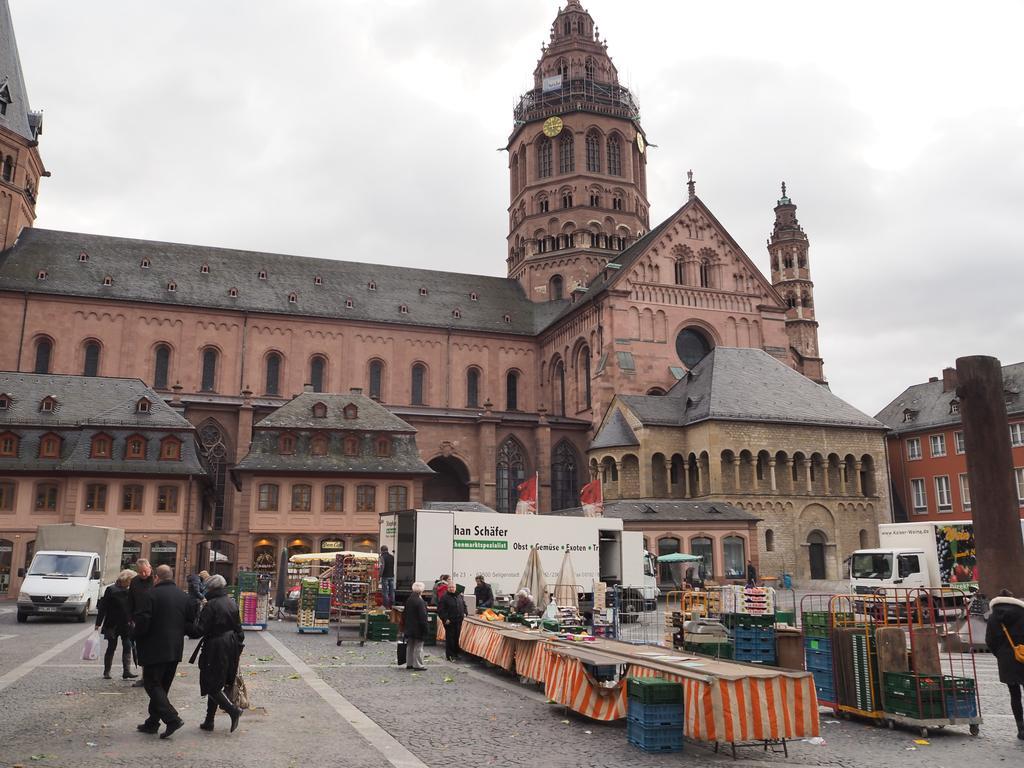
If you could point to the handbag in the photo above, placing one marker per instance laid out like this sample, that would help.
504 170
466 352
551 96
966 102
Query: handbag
402 651
238 694
1018 650
90 651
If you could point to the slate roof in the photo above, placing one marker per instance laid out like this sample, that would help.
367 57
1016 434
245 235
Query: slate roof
19 117
616 432
298 414
459 506
931 404
87 406
120 258
745 384
655 510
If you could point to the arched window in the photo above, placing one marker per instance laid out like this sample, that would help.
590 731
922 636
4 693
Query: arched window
555 287
588 66
769 540
614 155
705 274
316 373
511 471
318 445
161 366
376 379
209 378
91 367
565 464
791 300
214 445
544 157
680 266
273 385
691 346
558 388
667 546
563 65
735 555
44 349
702 545
419 375
8 168
512 391
593 152
583 371
566 153
473 388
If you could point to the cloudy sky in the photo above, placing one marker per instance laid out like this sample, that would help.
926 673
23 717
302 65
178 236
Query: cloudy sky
366 130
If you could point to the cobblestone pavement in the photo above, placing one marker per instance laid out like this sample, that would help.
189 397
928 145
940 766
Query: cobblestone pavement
62 713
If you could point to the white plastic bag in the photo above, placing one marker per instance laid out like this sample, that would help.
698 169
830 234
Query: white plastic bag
91 649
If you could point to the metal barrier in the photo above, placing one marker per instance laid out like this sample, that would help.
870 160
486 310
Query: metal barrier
634 624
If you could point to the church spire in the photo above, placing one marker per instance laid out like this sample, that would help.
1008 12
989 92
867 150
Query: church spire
20 127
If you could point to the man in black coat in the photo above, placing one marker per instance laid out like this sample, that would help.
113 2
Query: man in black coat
138 588
416 627
114 620
166 614
1005 630
452 610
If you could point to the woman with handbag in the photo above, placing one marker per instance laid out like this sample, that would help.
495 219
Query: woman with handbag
220 648
1004 636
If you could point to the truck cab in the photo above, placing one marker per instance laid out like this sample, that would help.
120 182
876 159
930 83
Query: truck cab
60 583
874 570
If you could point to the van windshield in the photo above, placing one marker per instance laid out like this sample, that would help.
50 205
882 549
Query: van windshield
60 565
872 565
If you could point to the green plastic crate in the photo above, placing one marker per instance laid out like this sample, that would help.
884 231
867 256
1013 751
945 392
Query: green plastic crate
654 690
911 707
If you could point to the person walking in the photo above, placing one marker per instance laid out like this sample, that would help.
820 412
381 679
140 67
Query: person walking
483 593
195 584
165 616
1004 631
221 645
416 627
751 574
113 620
137 591
452 610
387 577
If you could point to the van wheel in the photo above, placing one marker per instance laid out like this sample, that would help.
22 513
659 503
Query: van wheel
22 617
84 614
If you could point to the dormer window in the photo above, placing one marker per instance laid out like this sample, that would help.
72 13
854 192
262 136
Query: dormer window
263 274
402 309
954 406
172 287
293 298
372 285
383 447
48 404
232 293
100 448
350 412
41 274
144 264
351 446
457 313
5 402
83 257
507 318
423 291
319 411
49 446
286 445
318 445
909 414
204 270
108 281
9 445
318 280
143 405
348 304
135 448
473 296
170 449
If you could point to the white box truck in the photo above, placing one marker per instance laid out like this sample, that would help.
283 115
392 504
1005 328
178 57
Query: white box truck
927 555
72 566
428 543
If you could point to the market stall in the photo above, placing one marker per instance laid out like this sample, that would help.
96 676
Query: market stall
356 588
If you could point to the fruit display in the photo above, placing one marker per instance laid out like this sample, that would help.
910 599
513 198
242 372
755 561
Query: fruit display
314 612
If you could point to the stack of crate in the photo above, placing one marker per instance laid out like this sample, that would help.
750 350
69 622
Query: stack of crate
379 627
914 695
818 660
655 714
865 673
753 637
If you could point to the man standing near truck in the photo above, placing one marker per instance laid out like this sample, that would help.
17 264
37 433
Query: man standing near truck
387 577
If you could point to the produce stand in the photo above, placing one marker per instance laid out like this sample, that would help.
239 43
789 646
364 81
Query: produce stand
355 591
253 599
314 614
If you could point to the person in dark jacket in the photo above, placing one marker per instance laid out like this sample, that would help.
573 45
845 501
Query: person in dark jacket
164 617
416 627
1006 629
114 620
222 639
387 577
137 591
452 610
195 584
484 594
751 574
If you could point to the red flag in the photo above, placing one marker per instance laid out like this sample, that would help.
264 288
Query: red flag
527 504
591 499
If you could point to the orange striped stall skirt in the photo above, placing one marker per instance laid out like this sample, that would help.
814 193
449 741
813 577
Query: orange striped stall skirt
487 644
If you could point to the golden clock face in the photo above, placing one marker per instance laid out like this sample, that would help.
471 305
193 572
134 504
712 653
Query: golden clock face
552 127
640 143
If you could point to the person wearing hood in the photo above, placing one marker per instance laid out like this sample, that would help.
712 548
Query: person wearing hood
1004 636
222 640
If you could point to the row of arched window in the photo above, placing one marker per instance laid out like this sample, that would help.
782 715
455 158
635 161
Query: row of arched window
603 156
557 381
511 470
546 243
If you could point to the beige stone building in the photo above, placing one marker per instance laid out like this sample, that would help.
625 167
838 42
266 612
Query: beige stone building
746 431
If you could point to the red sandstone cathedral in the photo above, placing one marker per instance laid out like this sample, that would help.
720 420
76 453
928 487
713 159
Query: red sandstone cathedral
499 377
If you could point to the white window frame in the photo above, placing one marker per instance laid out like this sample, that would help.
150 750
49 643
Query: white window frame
941 440
965 492
1019 477
958 442
1017 434
943 490
914 449
917 483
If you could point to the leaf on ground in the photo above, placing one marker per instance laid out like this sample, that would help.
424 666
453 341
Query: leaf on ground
449 679
294 677
264 658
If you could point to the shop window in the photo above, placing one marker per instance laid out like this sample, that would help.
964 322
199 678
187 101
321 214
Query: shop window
163 553
130 553
666 573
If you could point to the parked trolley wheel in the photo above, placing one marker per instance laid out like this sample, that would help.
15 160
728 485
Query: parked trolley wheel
924 733
975 729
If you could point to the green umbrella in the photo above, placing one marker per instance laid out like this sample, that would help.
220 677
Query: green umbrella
679 557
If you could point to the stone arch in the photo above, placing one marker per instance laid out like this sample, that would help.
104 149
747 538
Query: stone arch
659 476
816 532
677 476
565 476
728 472
511 469
629 476
451 481
215 445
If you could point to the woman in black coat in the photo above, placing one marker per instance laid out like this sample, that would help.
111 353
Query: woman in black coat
113 619
452 610
1007 618
221 644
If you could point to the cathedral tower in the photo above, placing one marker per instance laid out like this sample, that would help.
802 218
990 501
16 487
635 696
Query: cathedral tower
577 164
20 164
791 275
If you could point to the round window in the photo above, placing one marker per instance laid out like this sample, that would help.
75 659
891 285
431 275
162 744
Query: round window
691 346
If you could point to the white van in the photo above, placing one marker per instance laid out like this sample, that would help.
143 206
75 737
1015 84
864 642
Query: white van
61 583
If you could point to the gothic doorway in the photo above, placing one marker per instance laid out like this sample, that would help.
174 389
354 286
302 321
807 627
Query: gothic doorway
451 483
816 553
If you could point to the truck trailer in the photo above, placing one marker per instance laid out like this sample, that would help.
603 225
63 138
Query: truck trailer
429 543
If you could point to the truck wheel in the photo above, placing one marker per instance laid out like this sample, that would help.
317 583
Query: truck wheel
22 617
84 614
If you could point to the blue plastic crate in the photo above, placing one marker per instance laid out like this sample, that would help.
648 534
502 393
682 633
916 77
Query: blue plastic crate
818 661
755 656
656 739
650 715
818 644
825 693
961 706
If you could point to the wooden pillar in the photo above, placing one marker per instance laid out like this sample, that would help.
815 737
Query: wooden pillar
990 475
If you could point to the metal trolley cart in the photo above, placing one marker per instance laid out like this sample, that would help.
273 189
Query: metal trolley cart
356 587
